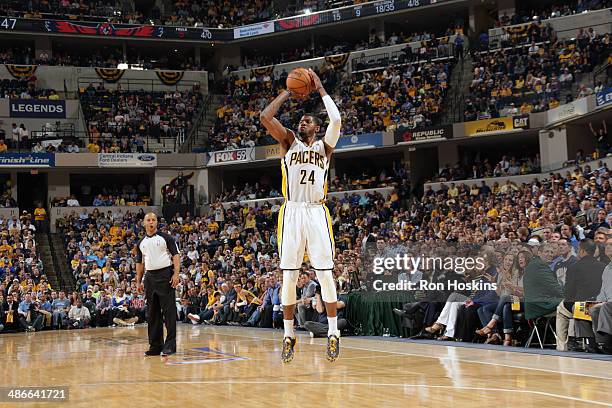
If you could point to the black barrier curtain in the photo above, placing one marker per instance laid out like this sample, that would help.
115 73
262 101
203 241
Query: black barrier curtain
371 312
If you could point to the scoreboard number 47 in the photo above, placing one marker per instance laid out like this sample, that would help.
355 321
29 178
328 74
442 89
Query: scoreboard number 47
8 23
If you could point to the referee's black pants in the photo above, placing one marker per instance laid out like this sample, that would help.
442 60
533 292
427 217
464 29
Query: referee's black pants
160 309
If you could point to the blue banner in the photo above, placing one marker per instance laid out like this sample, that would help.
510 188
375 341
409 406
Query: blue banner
604 97
37 108
27 160
360 141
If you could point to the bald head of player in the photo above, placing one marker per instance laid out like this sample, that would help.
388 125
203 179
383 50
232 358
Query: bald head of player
150 223
308 127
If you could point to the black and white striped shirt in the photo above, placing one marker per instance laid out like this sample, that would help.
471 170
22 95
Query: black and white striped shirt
156 251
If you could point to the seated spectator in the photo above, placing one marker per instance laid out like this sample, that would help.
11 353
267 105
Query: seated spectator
60 308
72 202
583 283
78 316
122 314
510 289
246 303
104 314
38 148
534 77
209 312
115 117
305 302
29 319
542 291
10 318
318 325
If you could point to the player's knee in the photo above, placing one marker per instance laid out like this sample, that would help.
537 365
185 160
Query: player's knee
288 295
291 277
288 291
328 286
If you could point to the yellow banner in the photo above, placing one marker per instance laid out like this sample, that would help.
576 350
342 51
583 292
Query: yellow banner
484 126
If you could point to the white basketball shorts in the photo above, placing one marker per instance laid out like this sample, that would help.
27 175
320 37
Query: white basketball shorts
305 227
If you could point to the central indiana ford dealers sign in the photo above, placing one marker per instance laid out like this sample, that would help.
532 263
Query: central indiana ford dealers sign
127 160
37 108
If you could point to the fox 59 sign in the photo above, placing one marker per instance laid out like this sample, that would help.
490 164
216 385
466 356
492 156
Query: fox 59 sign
230 156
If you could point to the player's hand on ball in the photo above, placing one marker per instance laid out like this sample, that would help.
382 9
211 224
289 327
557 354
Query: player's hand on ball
316 81
294 95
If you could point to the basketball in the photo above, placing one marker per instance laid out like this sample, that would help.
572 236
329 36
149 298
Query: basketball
299 82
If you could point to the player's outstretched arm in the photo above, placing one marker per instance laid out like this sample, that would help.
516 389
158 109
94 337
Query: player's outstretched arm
332 133
282 135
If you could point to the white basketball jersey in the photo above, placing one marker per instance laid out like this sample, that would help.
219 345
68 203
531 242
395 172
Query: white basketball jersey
304 171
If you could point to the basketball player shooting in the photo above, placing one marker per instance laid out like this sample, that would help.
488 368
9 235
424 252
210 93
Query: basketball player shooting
304 222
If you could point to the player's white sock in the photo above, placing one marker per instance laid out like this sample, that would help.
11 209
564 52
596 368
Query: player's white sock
333 326
288 324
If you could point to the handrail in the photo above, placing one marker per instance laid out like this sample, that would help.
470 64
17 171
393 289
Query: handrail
54 260
601 70
83 82
189 140
401 64
495 33
81 139
354 55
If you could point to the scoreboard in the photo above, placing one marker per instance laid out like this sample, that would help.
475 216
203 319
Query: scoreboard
349 13
107 29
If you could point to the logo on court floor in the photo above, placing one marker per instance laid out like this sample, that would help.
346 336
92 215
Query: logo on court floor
203 355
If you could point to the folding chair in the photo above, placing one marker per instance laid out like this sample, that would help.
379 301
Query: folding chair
547 320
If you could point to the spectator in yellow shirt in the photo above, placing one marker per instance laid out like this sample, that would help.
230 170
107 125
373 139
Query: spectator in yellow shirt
250 222
5 262
453 191
6 247
213 226
40 218
93 147
238 249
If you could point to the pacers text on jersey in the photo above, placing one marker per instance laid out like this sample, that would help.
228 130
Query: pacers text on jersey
307 157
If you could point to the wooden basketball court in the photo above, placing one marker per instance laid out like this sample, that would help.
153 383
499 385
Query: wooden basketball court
239 367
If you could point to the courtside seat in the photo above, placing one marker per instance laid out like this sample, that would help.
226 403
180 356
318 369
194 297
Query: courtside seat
541 327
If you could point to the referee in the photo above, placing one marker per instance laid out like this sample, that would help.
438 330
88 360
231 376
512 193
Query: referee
158 254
